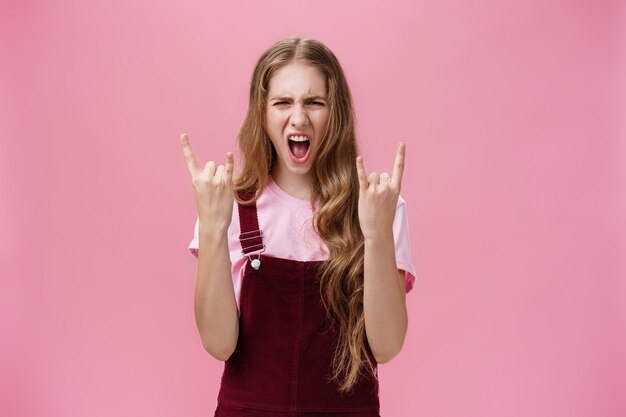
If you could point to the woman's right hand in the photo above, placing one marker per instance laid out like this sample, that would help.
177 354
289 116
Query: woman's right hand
213 189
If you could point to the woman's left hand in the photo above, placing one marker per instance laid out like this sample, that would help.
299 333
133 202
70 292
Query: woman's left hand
378 197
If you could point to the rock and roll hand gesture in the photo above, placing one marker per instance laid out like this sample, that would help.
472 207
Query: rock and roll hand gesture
378 196
213 188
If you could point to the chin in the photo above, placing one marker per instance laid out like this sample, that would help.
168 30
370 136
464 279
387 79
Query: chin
300 170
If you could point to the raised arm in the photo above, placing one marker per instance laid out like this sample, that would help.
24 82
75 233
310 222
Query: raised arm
215 305
384 297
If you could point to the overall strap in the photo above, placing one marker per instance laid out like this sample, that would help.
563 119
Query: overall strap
251 237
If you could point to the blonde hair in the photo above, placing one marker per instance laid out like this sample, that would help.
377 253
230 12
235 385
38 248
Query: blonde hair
335 187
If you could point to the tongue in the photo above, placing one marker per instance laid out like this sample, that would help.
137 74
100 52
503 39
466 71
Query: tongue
299 148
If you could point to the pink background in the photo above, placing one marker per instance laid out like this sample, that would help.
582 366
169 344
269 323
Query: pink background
513 115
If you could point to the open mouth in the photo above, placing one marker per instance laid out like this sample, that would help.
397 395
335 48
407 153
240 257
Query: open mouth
299 147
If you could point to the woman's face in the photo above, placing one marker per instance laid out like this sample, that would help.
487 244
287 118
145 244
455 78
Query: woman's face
296 104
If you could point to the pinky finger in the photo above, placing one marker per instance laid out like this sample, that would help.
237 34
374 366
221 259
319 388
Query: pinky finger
228 169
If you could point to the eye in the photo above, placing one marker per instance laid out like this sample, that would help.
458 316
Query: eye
311 102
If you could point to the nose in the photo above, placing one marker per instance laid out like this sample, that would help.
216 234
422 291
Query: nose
299 116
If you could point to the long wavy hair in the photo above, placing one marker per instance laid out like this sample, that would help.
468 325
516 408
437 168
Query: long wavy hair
335 188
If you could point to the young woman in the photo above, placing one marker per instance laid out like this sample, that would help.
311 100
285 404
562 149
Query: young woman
303 258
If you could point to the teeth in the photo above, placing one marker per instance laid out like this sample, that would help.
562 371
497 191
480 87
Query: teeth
298 138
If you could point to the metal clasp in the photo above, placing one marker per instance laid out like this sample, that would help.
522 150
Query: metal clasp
255 263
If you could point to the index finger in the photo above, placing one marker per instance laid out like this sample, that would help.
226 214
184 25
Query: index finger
398 168
189 158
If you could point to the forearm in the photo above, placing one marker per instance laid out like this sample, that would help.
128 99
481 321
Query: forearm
214 303
384 298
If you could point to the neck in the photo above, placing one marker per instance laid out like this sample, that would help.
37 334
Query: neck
298 186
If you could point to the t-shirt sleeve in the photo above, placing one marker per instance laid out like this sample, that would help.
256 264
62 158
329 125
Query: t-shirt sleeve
402 242
193 245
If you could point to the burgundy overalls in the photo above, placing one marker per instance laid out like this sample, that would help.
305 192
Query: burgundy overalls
283 357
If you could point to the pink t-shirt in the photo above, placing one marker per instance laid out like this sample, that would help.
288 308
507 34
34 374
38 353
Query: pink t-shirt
293 236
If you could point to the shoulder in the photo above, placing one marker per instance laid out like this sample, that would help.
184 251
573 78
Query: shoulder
400 205
400 222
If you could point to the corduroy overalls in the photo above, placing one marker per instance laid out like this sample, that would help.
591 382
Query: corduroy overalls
283 357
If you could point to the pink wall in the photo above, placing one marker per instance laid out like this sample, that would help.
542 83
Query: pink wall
511 115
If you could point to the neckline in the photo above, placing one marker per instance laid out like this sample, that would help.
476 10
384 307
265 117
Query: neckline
275 188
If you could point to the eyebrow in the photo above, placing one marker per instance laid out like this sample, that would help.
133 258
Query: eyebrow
289 98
